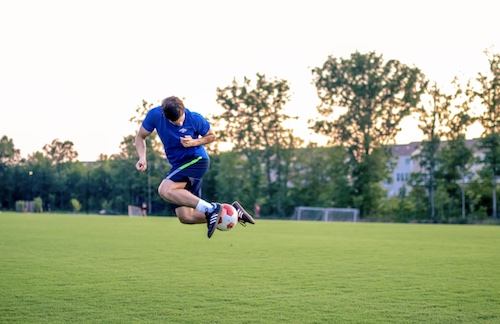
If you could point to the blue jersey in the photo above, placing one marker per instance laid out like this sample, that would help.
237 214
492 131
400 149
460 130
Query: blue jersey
194 125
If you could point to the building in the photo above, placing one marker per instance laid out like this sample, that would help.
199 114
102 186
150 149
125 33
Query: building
405 164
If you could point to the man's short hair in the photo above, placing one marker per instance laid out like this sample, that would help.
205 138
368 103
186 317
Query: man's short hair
172 108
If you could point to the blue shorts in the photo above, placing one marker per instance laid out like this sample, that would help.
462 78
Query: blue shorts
191 172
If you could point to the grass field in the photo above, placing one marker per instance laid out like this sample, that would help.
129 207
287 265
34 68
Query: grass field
115 269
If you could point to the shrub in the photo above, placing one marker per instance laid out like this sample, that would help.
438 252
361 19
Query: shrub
38 205
76 205
20 206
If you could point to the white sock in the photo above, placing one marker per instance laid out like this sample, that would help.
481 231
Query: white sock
204 206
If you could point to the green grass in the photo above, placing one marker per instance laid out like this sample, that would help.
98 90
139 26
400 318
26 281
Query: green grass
97 269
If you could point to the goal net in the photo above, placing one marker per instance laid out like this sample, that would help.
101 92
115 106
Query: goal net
134 211
303 213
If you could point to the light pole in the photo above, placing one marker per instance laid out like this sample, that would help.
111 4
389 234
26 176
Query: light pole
31 184
149 191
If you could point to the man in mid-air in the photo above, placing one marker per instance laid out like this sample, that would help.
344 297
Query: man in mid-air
183 134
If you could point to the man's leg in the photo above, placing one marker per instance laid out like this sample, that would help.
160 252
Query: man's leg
176 193
188 215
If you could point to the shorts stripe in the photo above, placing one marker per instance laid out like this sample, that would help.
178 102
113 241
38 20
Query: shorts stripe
182 167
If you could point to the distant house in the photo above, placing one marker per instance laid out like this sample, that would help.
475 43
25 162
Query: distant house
405 164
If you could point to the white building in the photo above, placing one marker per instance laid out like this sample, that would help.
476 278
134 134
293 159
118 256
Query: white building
406 164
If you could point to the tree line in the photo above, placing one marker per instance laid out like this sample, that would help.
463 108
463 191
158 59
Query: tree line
271 166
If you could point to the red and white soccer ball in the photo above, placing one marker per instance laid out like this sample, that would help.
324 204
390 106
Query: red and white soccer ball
228 219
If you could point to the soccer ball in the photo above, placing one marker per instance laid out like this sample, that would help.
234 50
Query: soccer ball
228 219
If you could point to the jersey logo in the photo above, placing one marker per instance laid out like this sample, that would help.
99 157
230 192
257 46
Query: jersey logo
183 130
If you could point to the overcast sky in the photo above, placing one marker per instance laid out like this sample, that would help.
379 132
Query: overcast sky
77 70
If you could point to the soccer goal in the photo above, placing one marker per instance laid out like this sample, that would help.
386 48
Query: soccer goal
304 213
134 211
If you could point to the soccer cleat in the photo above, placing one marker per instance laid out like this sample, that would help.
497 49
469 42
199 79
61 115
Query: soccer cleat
213 219
243 216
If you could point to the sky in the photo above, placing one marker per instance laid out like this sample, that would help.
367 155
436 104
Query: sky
76 70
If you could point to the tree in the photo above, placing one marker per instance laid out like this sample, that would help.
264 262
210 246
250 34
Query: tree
61 155
456 161
377 97
44 178
489 94
433 116
253 121
60 152
233 181
456 156
320 177
9 157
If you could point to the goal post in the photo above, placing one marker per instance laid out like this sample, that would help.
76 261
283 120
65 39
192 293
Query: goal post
304 213
134 211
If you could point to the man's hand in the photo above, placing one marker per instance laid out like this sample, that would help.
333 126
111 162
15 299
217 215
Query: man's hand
141 165
187 141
